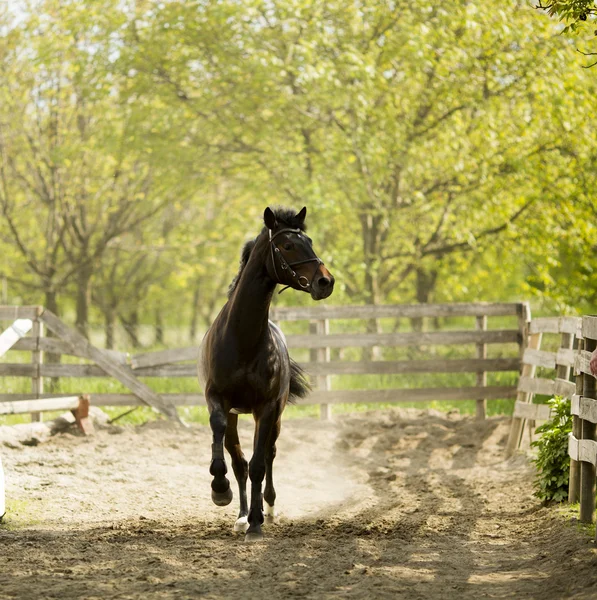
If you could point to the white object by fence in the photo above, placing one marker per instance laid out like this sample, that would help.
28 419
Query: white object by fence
19 329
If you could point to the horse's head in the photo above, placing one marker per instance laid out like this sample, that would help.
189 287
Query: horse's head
292 262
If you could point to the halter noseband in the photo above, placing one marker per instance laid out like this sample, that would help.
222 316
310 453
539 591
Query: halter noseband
301 280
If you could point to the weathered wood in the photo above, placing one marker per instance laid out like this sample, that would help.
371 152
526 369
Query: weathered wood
39 405
57 346
387 367
13 334
165 357
582 450
539 358
397 311
121 372
536 385
466 365
528 371
566 356
581 362
322 328
11 313
586 409
588 429
589 328
426 338
545 325
574 479
555 325
37 382
481 405
533 412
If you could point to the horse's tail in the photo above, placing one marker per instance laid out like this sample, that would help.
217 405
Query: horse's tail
299 384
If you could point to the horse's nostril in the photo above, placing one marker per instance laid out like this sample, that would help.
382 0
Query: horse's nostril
324 282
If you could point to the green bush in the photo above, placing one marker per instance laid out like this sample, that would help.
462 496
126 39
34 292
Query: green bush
553 462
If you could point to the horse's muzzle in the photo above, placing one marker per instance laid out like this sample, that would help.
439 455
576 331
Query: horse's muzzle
322 284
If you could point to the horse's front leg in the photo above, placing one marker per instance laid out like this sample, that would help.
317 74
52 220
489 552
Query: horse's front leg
263 435
269 493
241 470
221 493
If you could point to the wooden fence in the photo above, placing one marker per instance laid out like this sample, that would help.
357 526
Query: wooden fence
557 363
322 341
582 446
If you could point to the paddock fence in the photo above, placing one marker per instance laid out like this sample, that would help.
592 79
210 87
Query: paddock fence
554 365
330 343
582 444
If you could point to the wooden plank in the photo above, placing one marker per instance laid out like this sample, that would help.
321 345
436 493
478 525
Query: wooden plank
57 346
589 327
322 355
566 357
587 409
39 405
536 385
481 405
361 340
528 372
11 313
37 381
539 358
570 325
164 357
563 387
545 325
387 367
581 362
588 432
533 412
409 395
9 337
119 371
322 311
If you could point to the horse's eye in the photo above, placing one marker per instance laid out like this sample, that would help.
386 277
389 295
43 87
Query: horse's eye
288 246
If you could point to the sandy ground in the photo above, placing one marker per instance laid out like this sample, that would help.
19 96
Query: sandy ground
393 504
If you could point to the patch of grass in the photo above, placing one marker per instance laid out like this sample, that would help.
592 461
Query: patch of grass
570 513
20 513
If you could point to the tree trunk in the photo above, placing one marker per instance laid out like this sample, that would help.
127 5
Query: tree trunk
159 327
83 301
131 326
425 283
194 316
110 326
51 303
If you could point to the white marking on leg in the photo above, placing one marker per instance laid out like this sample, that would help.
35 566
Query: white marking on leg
241 525
269 513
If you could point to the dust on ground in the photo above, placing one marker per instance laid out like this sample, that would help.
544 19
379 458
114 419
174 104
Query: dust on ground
389 504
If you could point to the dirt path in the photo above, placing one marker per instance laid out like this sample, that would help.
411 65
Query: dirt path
395 504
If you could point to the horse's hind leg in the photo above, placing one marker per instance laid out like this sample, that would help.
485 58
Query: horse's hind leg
241 470
221 493
269 494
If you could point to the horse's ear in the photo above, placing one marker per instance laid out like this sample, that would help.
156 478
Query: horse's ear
301 215
269 218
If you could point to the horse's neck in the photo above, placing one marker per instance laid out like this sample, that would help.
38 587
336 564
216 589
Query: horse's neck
249 305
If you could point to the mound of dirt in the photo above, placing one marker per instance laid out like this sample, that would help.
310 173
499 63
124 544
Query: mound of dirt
389 504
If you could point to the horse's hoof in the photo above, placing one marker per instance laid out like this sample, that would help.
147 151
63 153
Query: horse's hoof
253 536
222 498
269 513
241 525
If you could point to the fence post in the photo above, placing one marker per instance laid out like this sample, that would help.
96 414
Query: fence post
37 382
587 470
574 481
320 355
481 324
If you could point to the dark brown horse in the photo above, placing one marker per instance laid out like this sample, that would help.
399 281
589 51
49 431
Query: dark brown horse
245 365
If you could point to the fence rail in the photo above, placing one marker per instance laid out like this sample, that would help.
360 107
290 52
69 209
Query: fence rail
319 342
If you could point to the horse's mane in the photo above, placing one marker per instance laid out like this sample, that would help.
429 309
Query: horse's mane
284 216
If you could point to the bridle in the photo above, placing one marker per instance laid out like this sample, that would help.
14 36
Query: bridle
300 280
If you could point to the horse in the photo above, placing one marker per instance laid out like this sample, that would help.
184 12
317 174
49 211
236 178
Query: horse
244 363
